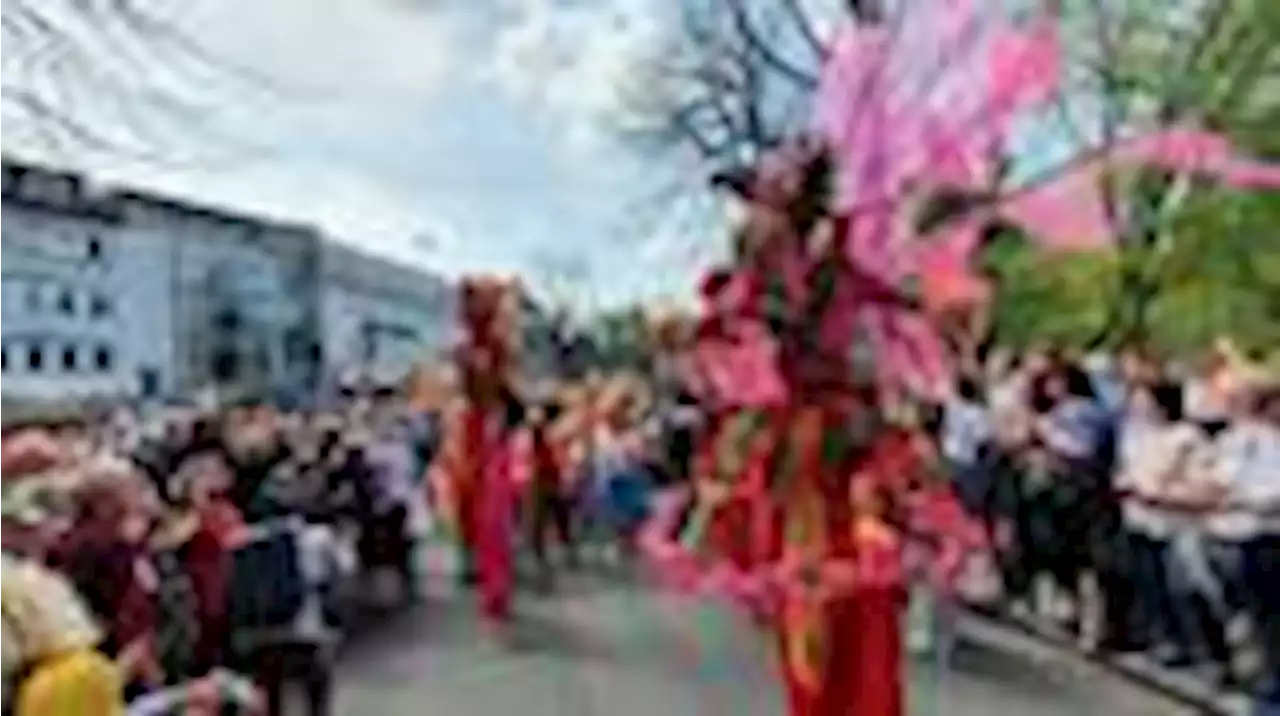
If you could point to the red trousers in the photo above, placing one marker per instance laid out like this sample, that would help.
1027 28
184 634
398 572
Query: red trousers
468 520
862 655
494 531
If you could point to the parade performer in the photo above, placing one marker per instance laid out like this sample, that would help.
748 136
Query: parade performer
814 325
479 467
775 523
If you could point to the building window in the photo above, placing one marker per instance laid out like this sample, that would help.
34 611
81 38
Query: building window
69 358
228 319
33 298
102 358
95 248
35 357
4 359
99 306
226 365
149 382
67 302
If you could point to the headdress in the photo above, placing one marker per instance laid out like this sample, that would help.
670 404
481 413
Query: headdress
43 614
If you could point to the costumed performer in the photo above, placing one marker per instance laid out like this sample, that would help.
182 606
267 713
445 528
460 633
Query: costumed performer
480 462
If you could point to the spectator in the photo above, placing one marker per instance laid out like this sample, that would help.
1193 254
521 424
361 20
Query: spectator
966 433
51 640
108 559
551 508
1156 456
389 543
1210 389
1072 429
214 527
302 645
1249 455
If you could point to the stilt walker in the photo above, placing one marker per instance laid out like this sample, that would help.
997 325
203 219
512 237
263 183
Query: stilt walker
479 467
813 326
774 523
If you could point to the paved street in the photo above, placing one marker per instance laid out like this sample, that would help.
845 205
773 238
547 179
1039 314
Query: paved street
598 648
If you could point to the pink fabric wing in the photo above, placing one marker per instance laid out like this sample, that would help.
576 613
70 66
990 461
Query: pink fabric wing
913 355
1178 149
1247 174
1193 150
947 283
1067 212
1024 68
954 158
942 264
856 51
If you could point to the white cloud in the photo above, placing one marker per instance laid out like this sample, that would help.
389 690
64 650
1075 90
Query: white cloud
347 70
342 50
577 63
390 127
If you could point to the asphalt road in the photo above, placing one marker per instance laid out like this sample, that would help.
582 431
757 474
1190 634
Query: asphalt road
600 647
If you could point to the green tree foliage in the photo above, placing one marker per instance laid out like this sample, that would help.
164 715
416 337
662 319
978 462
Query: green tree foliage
1197 260
620 338
1060 298
1221 273
1214 272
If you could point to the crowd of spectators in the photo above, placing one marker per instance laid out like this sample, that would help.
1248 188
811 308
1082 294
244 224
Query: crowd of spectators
1134 505
162 529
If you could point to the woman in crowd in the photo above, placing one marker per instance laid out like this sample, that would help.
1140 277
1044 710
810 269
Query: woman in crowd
109 560
388 542
1157 456
620 485
1226 525
966 434
1209 391
51 648
1246 519
213 528
550 507
1075 430
301 648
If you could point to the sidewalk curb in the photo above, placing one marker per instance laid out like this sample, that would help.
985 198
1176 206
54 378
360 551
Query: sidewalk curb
1185 690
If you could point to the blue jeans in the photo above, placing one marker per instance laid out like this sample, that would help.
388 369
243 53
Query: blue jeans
972 482
1259 559
1166 608
1227 560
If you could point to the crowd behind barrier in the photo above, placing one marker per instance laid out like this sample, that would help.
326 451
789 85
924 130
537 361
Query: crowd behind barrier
1134 509
216 555
220 555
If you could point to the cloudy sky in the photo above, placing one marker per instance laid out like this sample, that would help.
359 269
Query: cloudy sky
483 124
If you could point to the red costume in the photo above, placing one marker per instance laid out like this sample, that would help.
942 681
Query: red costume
479 463
791 513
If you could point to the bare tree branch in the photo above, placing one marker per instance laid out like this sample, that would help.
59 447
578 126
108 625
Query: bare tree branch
116 77
767 53
726 86
804 24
